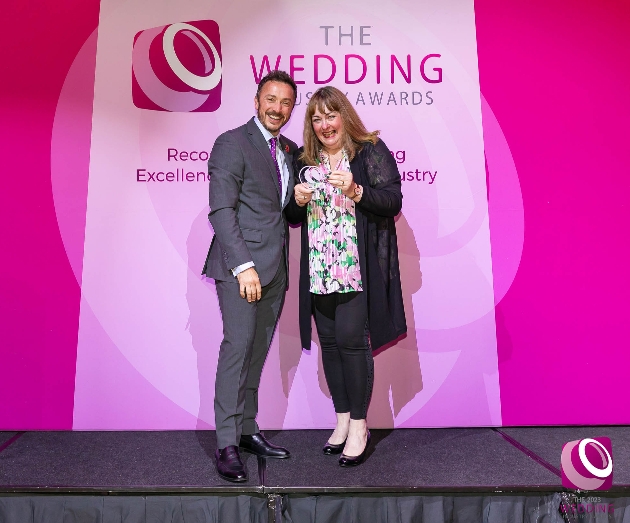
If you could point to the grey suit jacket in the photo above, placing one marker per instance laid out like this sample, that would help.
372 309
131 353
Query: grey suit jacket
245 208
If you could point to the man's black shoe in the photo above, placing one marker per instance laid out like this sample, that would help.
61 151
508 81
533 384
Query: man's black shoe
229 464
257 444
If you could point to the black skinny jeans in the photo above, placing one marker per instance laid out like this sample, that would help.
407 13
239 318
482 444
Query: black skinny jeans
341 321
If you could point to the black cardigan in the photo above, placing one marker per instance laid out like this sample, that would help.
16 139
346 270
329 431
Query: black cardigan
375 169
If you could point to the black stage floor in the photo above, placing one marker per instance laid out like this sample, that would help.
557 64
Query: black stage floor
456 461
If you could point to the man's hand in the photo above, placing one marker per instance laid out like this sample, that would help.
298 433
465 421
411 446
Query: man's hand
249 284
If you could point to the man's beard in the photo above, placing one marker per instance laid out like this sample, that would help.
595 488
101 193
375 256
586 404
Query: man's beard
263 120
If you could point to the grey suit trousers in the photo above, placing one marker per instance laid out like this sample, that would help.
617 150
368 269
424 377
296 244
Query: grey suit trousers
248 329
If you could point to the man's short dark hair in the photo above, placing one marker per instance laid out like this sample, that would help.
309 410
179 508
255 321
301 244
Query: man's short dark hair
277 76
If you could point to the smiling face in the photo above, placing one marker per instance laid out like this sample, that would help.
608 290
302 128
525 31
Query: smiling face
274 105
328 127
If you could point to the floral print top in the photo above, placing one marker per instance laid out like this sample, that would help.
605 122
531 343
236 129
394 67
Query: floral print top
332 236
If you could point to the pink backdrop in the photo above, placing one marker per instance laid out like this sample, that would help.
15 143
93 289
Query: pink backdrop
554 145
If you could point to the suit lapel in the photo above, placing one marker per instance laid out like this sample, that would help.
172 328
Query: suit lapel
288 160
259 142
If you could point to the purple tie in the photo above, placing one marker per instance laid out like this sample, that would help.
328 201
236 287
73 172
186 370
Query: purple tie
272 141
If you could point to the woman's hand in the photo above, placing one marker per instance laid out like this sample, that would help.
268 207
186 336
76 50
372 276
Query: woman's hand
344 181
303 193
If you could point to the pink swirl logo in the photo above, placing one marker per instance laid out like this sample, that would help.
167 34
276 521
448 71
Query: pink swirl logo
178 67
587 464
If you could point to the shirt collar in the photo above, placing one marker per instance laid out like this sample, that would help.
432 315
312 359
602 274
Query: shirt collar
265 132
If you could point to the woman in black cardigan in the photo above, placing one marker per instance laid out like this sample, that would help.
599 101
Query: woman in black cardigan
349 274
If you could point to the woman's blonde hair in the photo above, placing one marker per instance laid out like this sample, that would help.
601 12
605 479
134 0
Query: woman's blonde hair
329 99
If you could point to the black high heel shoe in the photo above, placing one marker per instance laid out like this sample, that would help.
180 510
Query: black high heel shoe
332 448
353 461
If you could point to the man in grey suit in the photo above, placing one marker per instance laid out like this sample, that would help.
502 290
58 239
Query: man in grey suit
251 181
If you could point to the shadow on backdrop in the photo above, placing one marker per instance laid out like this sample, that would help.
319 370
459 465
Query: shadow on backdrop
205 333
397 373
